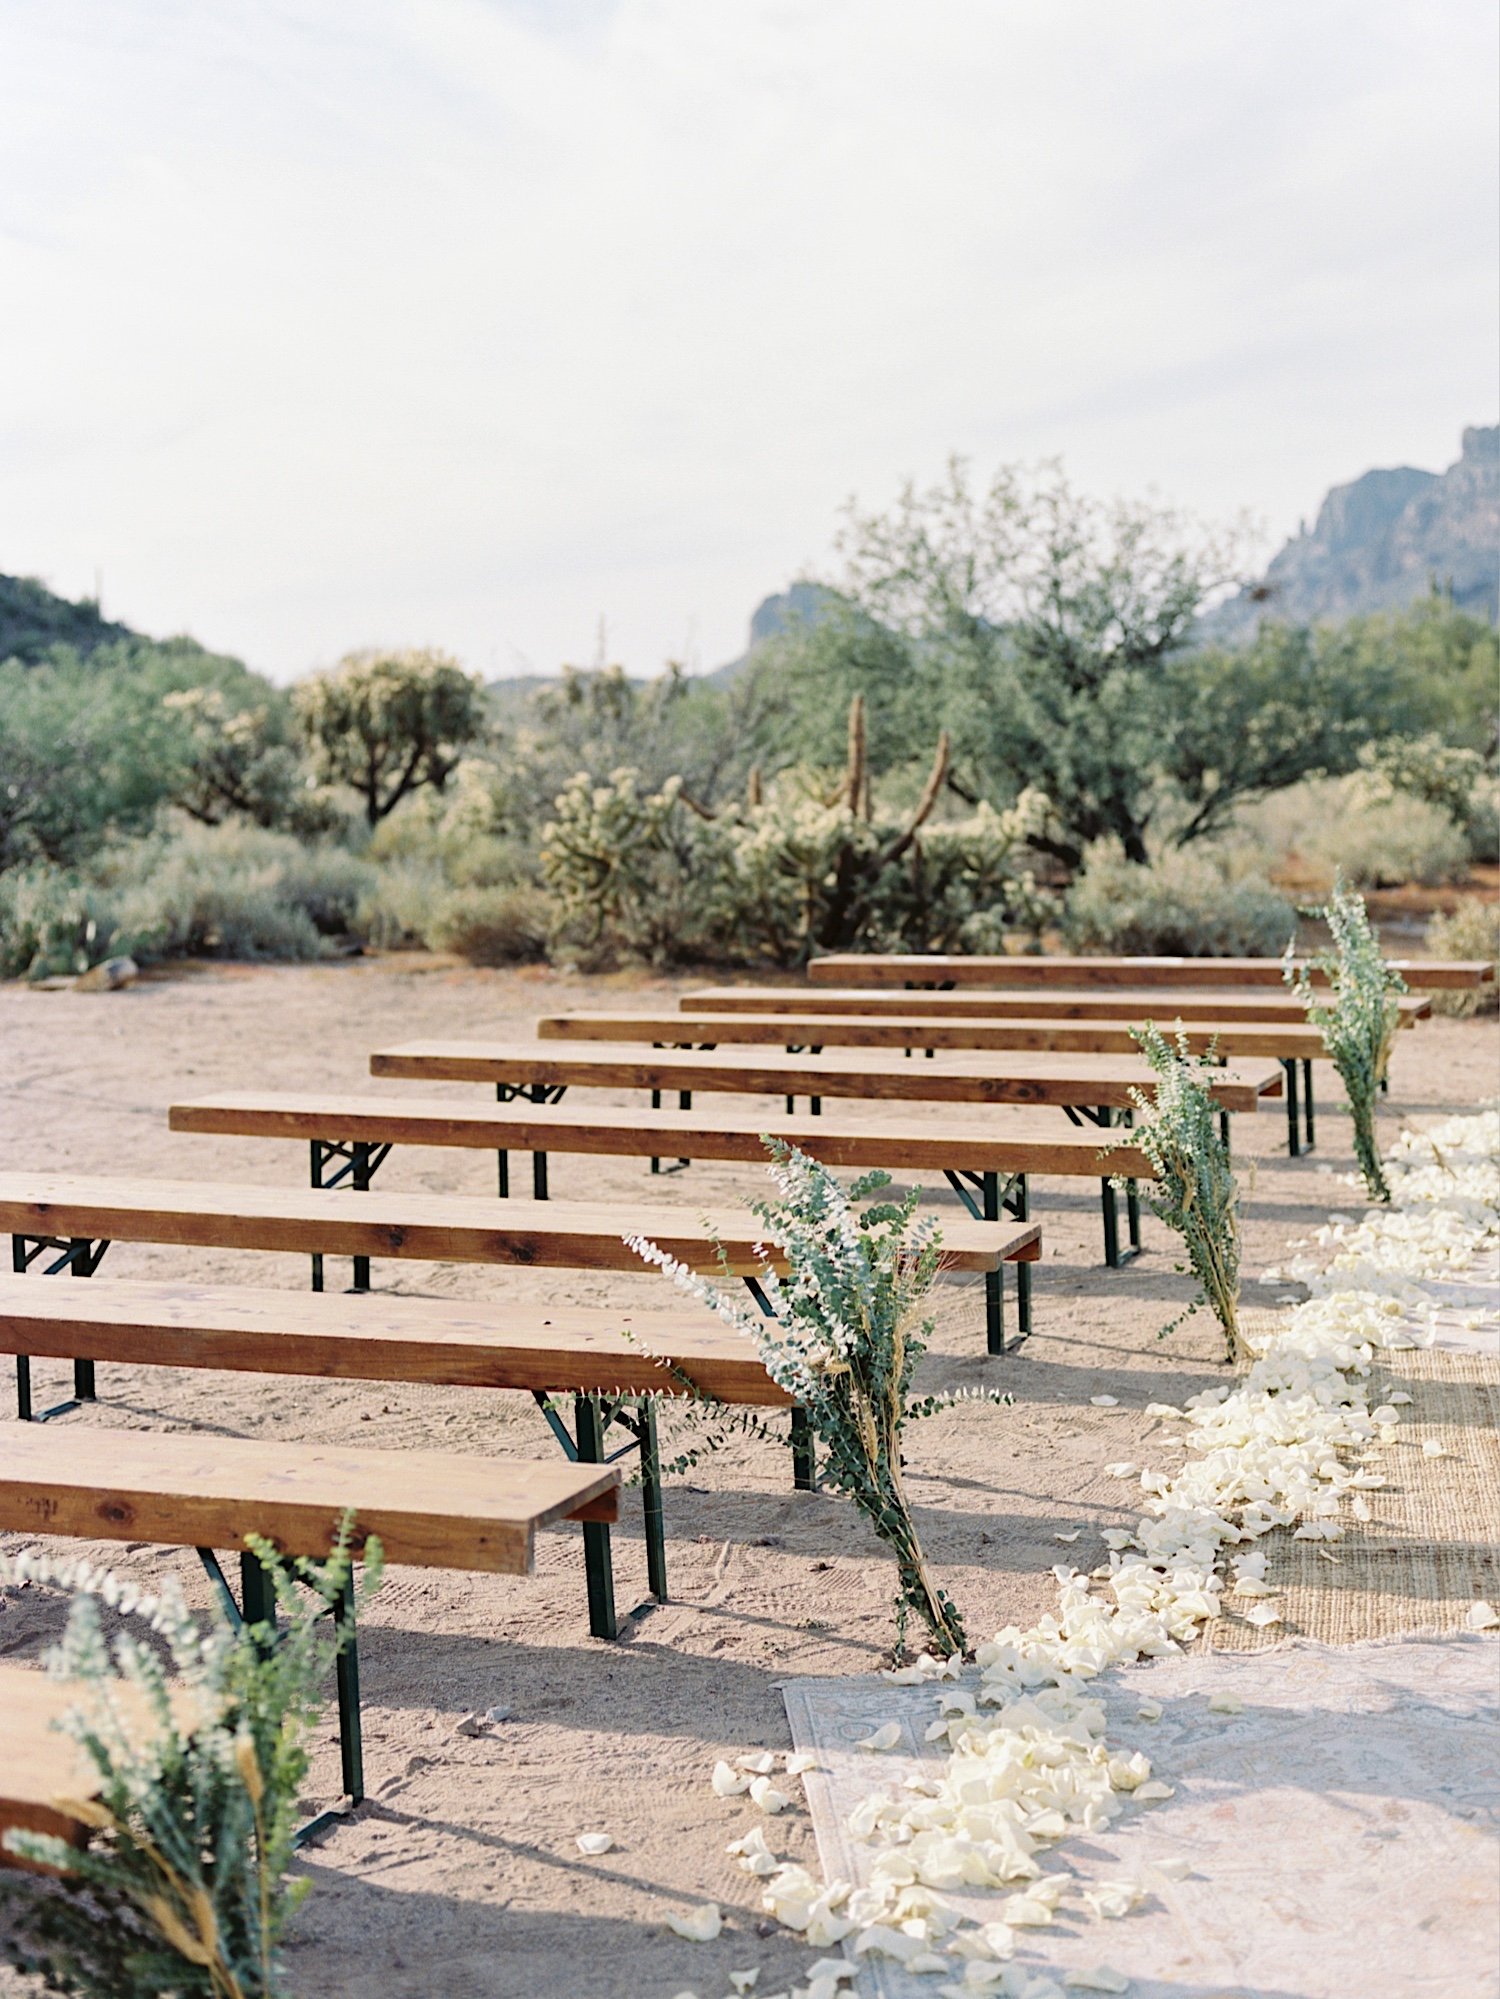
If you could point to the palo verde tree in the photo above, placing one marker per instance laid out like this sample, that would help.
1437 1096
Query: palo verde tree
1052 621
389 723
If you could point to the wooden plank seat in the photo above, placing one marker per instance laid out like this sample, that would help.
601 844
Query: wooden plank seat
41 1769
1165 1005
1095 1084
429 1509
874 968
987 1164
607 1359
1294 1044
74 1219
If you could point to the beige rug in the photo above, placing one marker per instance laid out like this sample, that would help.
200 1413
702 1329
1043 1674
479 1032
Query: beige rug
1342 1829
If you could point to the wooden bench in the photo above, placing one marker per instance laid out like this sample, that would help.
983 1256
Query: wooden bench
42 1770
1291 1043
858 968
429 1509
608 1360
76 1218
1165 1006
987 1165
1091 1083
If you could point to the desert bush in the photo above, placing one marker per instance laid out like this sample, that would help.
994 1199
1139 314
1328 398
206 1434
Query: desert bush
184 1887
1358 825
491 926
811 864
233 892
389 723
52 922
1470 931
1186 903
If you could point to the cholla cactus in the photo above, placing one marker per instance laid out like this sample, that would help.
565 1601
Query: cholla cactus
1358 1019
183 1887
843 1339
1177 1127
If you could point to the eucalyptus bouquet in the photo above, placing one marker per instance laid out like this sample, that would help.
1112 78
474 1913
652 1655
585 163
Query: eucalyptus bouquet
1197 1194
842 1336
199 1757
1358 1018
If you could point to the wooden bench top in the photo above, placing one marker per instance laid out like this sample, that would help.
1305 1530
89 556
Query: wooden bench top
857 968
431 1509
553 1349
1009 1141
1282 1040
438 1228
1021 1078
1164 1007
40 1767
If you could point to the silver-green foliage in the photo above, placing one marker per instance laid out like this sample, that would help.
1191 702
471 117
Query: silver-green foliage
1357 1015
843 1338
184 1886
1197 1194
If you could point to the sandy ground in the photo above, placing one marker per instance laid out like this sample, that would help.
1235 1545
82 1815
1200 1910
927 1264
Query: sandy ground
460 1876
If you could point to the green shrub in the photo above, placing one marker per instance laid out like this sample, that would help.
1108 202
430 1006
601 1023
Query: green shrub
491 926
52 922
234 892
1472 930
1186 903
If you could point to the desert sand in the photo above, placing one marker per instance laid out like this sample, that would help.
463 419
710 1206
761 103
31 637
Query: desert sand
460 1877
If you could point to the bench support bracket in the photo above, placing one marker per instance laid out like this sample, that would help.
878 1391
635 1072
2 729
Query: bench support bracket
997 1193
80 1257
1109 1119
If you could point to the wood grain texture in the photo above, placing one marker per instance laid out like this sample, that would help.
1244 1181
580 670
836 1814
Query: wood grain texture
40 1767
377 1337
429 1509
1021 1078
1163 1005
855 968
438 1228
1281 1040
1010 1141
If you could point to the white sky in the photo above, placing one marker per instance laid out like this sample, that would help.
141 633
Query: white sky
472 322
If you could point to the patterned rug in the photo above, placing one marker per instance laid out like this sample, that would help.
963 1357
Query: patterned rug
1343 1829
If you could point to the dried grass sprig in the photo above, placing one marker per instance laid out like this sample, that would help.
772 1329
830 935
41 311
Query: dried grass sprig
1358 1018
1197 1194
184 1885
843 1337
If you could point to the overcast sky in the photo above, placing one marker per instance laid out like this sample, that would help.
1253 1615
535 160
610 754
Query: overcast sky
474 322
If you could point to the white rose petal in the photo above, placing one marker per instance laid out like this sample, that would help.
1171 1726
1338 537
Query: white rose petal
885 1737
1225 1703
1070 1538
1433 1449
745 1981
1123 1470
1482 1616
700 1925
595 1842
799 1763
765 1794
1148 1711
1262 1614
1153 1793
1105 1401
760 1764
1101 1979
728 1782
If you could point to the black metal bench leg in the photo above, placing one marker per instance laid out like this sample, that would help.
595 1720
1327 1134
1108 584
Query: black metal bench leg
656 1106
539 1176
1293 1132
656 1539
23 1363
994 1280
598 1566
1019 1203
346 1673
1109 1202
804 1454
361 1178
1307 1103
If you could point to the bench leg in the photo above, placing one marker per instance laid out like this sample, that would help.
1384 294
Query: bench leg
804 1454
346 1673
598 1567
361 1176
81 1258
656 1539
1019 1204
1293 1132
1307 1104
